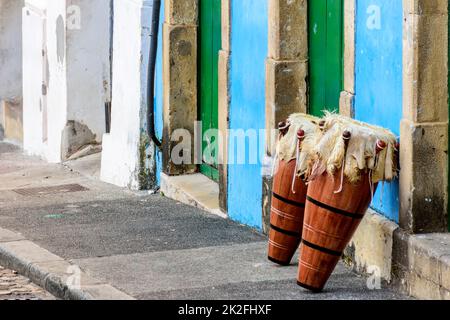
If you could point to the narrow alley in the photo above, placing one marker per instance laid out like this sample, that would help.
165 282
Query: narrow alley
132 245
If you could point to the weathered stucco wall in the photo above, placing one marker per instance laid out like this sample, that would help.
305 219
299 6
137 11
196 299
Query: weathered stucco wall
10 67
88 67
44 77
11 49
66 75
128 156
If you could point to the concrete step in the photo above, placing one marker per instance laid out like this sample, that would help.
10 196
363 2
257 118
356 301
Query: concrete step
422 264
195 190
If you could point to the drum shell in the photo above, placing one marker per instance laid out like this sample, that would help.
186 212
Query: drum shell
287 212
330 222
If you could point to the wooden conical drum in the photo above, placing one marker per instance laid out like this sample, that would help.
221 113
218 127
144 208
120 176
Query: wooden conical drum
330 222
286 220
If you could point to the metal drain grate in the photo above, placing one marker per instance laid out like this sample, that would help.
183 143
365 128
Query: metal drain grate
44 191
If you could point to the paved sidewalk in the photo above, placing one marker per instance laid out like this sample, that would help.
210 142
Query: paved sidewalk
135 245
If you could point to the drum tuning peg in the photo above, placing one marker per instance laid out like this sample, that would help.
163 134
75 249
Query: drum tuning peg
301 135
283 126
322 125
347 135
381 145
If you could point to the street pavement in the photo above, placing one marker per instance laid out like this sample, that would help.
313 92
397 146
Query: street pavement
15 287
148 246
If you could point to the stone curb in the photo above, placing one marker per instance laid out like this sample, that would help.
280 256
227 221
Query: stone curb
50 271
48 281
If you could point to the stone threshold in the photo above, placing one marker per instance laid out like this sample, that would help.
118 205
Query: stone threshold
195 190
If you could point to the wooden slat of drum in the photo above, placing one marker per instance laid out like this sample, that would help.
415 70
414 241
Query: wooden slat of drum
330 222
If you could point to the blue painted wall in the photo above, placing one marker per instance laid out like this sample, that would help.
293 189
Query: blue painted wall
159 95
379 78
249 43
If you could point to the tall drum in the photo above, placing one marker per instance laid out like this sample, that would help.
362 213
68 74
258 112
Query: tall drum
351 159
289 189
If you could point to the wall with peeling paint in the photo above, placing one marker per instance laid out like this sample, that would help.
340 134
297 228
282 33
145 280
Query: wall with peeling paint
10 49
88 67
66 75
128 156
10 54
44 79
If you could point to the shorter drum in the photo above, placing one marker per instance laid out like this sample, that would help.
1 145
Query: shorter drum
286 219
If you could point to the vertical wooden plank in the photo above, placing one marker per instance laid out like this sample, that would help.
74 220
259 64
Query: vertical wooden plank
209 45
334 54
317 54
325 55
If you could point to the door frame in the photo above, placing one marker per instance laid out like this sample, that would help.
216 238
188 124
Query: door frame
180 105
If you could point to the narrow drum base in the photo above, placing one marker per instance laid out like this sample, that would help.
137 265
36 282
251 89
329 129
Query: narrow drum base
281 263
312 289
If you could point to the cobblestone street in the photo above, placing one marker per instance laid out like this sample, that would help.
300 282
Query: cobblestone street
16 287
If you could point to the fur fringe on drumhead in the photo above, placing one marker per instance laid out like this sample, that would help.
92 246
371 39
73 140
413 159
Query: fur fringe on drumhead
288 148
370 148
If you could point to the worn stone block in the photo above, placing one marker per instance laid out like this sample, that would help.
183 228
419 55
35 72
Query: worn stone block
347 104
224 103
445 272
288 29
286 89
423 184
349 46
445 294
267 202
180 93
423 289
181 12
12 120
423 260
372 245
425 6
226 25
425 68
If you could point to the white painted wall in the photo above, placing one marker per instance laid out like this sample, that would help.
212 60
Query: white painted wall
10 52
88 67
122 147
34 42
44 115
10 49
75 70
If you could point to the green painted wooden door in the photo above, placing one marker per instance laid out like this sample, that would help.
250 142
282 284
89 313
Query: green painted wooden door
209 44
325 54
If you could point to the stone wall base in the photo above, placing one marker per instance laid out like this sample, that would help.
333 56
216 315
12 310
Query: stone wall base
11 124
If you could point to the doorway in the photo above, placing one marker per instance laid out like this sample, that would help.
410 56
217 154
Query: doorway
210 43
325 29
